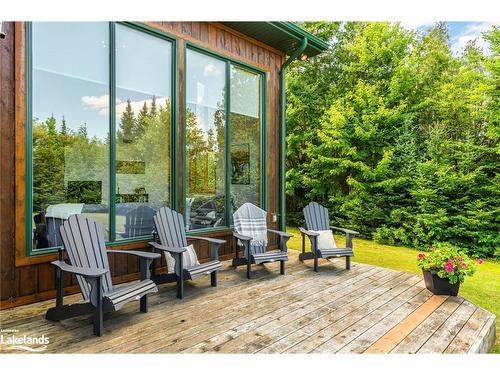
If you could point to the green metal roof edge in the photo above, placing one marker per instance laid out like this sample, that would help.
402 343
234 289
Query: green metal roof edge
313 41
290 34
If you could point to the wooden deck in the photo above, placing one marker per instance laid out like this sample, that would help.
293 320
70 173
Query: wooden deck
365 310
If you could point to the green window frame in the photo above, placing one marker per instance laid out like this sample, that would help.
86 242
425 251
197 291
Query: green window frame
263 100
112 128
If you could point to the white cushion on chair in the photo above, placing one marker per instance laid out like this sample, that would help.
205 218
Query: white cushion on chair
325 239
189 259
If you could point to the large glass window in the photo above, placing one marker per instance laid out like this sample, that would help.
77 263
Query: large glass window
71 121
245 125
72 106
70 126
216 186
143 116
206 141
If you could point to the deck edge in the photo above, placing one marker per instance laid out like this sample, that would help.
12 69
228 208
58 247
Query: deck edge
486 338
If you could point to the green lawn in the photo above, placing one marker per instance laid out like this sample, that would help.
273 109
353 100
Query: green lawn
482 288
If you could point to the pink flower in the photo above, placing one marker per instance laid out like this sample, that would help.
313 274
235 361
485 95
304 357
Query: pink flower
448 266
480 261
420 256
460 259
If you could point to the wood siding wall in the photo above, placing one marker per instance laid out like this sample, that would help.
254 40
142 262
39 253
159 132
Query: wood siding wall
30 279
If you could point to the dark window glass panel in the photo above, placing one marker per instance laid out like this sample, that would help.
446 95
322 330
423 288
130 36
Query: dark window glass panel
246 124
143 125
206 139
70 126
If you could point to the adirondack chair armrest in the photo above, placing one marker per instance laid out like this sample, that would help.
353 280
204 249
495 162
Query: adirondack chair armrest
308 233
245 240
60 253
349 234
146 259
208 239
346 231
284 237
175 250
242 237
85 272
313 237
280 233
140 254
214 245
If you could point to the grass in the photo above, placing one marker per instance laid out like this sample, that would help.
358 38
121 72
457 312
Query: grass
481 289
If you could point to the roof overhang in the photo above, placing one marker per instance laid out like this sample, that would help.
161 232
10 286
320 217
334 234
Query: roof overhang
283 36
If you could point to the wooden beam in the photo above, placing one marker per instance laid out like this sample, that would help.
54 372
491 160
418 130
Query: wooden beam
20 141
7 167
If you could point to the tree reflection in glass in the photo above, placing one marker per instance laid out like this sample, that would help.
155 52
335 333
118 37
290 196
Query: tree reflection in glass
143 115
245 137
70 126
205 141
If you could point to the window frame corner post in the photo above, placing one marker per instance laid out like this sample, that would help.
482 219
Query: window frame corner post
112 131
282 130
28 77
174 128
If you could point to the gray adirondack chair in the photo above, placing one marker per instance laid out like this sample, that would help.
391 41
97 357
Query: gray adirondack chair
83 240
317 218
170 236
250 232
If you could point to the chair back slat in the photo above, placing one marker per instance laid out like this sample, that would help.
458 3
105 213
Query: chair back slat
170 227
316 217
83 239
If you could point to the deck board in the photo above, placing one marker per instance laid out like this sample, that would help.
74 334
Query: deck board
361 343
445 334
365 309
419 336
241 338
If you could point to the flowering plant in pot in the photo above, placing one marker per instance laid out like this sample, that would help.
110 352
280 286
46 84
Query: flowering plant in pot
445 268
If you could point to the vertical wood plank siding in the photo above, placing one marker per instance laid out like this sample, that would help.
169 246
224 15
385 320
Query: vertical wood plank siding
7 147
29 279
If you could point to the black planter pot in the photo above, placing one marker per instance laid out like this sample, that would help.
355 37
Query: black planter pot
438 285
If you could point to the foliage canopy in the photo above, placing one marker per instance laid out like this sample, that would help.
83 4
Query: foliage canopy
398 135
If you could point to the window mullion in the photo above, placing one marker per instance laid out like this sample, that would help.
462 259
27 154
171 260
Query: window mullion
174 129
228 144
263 154
112 132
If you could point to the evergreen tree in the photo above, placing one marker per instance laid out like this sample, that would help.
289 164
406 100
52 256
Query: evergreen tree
64 128
125 133
142 121
153 110
82 131
51 125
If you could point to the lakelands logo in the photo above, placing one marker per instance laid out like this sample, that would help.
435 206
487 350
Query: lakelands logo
11 339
